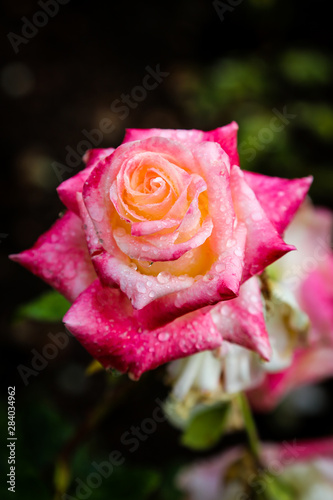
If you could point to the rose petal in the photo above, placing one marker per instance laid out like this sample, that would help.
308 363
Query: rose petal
316 297
220 283
264 245
162 248
225 136
279 198
93 156
102 320
309 366
60 257
67 190
96 191
214 166
241 320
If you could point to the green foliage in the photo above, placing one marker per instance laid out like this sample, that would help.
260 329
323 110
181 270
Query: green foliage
206 428
306 67
50 306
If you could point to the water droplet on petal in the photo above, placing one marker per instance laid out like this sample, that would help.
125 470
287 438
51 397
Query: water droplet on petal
132 265
238 252
119 231
208 277
163 336
220 268
152 294
163 277
231 243
141 287
224 311
183 345
96 213
252 310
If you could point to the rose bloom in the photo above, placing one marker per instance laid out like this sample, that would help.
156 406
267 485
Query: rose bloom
295 471
157 233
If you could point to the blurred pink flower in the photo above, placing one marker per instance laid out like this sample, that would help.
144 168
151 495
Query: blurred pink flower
304 468
308 273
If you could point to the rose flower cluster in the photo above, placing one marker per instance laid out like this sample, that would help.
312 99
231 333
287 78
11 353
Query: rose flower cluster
161 245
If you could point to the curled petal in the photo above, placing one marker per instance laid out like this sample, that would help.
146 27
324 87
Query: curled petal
279 198
162 248
93 156
139 288
67 190
214 166
264 245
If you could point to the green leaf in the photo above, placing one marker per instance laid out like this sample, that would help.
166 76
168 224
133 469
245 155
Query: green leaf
206 428
50 306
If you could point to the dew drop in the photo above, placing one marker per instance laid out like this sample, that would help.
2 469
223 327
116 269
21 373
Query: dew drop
132 265
163 337
152 294
189 254
231 243
141 287
183 345
224 311
96 213
238 252
252 310
120 232
220 268
163 277
208 277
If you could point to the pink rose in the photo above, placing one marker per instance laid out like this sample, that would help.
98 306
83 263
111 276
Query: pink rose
305 467
158 231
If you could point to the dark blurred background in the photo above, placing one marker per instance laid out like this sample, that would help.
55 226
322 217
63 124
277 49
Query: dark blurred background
248 62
